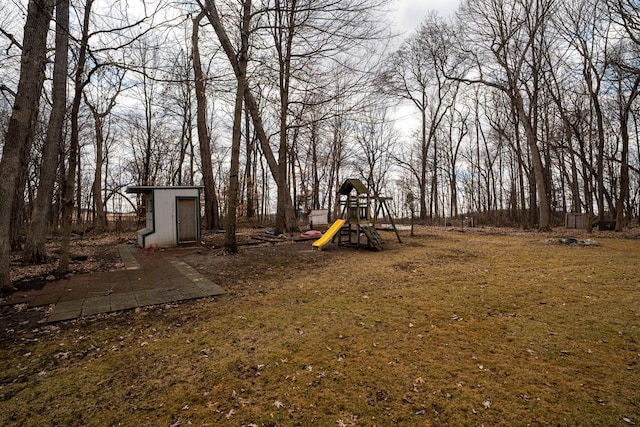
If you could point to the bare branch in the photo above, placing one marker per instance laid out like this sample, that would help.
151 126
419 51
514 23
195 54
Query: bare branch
12 39
5 88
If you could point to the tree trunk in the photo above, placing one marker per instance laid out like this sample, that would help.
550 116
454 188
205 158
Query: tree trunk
625 109
434 181
315 176
283 38
147 177
80 218
17 212
35 251
575 186
249 175
211 215
231 244
624 174
599 155
100 218
252 105
100 221
67 198
544 217
283 190
23 118
424 148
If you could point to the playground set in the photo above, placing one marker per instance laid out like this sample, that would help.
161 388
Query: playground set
359 213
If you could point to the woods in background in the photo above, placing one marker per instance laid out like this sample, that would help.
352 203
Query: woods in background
511 111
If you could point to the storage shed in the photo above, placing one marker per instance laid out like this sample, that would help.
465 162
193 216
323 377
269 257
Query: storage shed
578 221
318 219
172 215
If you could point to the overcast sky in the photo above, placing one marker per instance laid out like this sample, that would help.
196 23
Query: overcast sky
411 12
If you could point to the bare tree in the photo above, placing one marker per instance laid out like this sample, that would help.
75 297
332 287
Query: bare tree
34 250
409 76
99 113
250 167
80 80
213 16
20 128
627 76
231 244
504 41
456 130
302 31
375 139
628 89
627 14
212 220
418 72
581 23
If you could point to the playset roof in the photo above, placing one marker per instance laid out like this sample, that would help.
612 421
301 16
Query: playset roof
351 184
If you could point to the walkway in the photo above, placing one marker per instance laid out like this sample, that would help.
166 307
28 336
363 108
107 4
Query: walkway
147 279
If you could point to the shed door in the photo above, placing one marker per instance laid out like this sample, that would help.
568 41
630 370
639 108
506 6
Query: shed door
187 223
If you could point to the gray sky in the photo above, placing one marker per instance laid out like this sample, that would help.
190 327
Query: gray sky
411 12
408 15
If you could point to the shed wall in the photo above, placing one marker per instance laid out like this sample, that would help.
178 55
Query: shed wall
163 218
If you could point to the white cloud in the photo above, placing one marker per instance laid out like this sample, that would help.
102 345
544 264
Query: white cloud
410 13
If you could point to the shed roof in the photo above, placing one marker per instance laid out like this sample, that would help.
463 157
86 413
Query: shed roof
150 188
350 184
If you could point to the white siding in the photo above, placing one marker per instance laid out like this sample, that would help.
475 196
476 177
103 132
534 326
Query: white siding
164 215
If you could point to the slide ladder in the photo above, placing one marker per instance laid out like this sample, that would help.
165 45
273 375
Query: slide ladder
372 235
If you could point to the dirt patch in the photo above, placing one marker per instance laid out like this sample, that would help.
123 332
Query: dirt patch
89 253
240 273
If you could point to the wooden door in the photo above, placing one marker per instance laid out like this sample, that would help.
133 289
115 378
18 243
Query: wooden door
187 220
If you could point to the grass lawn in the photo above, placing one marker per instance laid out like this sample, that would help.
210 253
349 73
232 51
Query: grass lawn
448 328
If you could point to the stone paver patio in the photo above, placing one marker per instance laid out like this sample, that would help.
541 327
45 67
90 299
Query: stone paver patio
147 279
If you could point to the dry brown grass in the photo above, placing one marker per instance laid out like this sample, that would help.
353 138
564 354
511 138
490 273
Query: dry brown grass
448 328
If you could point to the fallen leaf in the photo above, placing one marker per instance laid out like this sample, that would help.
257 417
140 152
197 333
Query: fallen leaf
278 404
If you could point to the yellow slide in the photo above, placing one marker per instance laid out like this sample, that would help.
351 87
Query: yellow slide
326 237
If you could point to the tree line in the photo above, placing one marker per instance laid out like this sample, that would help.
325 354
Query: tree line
510 111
